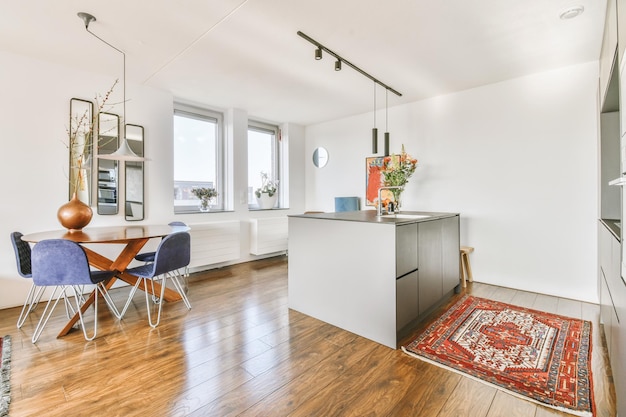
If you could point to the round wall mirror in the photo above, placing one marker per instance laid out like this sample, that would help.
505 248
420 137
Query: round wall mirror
320 157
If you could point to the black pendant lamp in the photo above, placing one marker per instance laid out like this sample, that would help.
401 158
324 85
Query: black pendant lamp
386 124
374 129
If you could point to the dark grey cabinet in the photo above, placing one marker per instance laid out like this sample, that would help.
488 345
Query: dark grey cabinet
427 266
406 299
431 264
438 253
406 249
450 247
406 275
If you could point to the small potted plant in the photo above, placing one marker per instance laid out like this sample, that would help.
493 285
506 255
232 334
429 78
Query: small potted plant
205 195
267 194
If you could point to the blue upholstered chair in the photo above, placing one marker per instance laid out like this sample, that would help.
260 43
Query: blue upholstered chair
173 253
347 204
149 256
63 264
22 258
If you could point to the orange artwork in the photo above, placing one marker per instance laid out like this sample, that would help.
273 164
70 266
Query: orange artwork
374 180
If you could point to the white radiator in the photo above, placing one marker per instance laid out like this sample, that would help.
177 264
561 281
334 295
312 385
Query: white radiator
268 235
212 243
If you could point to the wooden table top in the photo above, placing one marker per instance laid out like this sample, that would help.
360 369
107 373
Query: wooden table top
107 234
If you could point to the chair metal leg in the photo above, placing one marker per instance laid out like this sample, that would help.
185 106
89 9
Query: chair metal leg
180 289
45 316
32 299
107 298
163 284
155 299
183 279
49 310
75 289
130 297
69 310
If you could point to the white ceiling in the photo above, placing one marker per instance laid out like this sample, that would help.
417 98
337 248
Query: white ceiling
246 53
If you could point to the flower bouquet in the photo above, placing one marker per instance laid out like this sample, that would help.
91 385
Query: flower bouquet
205 195
396 170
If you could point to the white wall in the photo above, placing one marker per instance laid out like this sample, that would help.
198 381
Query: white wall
34 113
517 160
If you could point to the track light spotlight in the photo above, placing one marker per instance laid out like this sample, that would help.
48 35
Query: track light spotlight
318 54
338 65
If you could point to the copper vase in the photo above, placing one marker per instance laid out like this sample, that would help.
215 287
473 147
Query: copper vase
74 215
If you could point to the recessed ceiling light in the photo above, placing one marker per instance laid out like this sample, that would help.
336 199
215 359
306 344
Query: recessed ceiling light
571 12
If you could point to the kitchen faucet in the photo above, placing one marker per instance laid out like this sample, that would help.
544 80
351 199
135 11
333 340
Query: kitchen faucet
379 206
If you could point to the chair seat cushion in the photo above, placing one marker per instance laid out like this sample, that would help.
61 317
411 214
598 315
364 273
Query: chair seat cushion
146 257
141 271
99 276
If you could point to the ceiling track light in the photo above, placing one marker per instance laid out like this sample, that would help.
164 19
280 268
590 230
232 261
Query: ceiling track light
123 152
341 60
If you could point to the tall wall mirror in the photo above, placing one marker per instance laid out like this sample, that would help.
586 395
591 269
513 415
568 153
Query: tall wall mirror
80 149
108 142
133 174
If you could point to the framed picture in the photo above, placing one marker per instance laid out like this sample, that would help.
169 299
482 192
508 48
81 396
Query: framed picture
374 179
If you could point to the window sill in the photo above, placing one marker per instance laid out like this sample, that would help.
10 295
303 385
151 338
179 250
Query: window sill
260 209
196 211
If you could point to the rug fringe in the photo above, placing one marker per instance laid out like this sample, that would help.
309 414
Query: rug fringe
513 393
5 377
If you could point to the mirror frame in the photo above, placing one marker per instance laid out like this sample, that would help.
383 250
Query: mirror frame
318 160
108 143
134 193
81 119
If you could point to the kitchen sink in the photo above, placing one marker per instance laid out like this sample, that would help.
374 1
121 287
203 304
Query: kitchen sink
405 216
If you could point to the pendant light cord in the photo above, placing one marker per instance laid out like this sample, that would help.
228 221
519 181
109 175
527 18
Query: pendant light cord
374 105
386 111
123 74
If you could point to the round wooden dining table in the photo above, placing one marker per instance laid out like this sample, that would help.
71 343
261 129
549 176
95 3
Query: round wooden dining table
133 237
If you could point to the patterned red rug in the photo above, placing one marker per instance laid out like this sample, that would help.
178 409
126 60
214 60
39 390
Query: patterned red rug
541 357
5 375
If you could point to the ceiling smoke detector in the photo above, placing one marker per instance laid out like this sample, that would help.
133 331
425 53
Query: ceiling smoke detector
571 12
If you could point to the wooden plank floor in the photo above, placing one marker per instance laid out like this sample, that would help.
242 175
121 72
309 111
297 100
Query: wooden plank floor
241 352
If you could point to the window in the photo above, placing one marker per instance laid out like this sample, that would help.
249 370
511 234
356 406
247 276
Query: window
198 156
262 157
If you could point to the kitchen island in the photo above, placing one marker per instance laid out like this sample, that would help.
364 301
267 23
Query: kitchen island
375 276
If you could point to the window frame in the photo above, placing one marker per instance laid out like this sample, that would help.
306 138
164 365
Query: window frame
204 114
263 127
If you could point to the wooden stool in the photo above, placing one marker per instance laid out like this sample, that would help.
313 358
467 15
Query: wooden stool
466 269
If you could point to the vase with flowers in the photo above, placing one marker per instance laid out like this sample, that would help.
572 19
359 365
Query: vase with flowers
76 213
205 195
397 169
267 194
